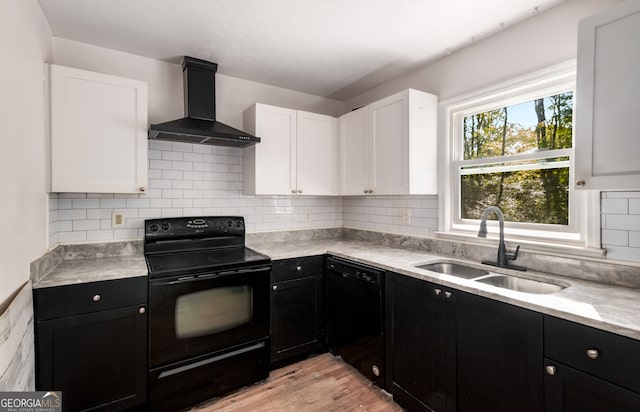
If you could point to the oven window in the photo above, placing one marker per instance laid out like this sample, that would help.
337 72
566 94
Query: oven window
213 310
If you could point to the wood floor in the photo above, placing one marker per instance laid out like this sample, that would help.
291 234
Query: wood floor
323 383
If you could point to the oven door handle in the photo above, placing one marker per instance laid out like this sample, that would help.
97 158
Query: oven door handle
209 276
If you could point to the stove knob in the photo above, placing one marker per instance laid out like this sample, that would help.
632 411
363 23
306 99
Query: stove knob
239 223
230 223
154 228
166 226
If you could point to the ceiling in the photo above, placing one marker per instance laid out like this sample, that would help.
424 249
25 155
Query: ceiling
330 48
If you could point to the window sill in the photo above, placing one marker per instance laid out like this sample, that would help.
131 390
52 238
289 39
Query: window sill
528 245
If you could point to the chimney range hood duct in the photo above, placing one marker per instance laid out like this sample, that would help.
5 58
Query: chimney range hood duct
200 125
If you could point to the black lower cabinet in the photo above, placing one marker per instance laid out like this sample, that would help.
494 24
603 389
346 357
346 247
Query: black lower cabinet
589 370
453 351
97 356
569 390
499 356
416 342
296 315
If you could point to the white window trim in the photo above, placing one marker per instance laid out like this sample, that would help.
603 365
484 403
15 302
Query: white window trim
548 81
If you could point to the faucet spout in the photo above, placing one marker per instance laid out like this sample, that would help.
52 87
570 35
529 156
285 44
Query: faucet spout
503 257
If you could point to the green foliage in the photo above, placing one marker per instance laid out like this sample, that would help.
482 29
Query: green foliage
535 196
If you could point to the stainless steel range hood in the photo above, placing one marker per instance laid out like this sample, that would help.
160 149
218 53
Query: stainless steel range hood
200 125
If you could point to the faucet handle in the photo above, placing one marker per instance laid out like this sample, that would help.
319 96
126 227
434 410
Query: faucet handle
514 255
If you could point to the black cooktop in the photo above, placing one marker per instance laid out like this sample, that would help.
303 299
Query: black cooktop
198 262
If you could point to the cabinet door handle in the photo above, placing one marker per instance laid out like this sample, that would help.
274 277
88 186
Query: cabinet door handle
96 297
293 191
274 287
447 295
580 183
366 191
299 190
142 189
593 353
551 370
142 310
437 292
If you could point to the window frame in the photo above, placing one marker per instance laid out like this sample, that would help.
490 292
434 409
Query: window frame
583 231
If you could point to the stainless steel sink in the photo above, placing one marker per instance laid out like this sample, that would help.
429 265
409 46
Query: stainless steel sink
454 269
521 284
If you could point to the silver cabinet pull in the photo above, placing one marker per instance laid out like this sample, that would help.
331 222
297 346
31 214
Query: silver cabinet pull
447 295
581 183
299 190
551 370
366 191
142 189
293 190
593 353
142 310
96 297
437 291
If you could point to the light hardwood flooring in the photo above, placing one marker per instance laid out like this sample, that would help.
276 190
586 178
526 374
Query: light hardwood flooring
323 383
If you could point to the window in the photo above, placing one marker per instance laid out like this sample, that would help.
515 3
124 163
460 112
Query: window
511 146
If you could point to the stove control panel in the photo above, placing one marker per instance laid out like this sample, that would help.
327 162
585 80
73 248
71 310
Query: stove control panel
194 227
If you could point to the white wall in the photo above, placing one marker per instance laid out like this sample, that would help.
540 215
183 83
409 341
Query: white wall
25 41
543 40
233 95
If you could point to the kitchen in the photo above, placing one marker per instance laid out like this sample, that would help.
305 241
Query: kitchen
39 221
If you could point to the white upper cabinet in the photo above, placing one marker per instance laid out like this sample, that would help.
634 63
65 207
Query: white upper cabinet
607 135
297 153
398 146
98 132
354 152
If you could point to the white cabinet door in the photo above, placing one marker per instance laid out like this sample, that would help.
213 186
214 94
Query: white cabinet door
269 166
354 152
388 123
607 138
98 132
316 163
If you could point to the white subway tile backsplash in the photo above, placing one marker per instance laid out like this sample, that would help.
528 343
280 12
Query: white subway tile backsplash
615 237
623 222
95 235
166 155
181 147
111 203
617 206
634 206
72 214
137 203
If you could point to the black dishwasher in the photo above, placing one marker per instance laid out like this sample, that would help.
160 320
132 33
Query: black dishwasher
354 298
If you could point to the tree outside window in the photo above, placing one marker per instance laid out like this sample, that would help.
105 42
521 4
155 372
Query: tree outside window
517 157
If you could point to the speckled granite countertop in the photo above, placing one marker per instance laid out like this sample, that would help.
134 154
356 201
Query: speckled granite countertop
611 308
70 272
92 262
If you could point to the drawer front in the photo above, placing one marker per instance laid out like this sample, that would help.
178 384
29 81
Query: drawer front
296 268
611 357
71 300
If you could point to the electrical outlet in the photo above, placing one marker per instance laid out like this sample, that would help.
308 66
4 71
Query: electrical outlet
117 219
406 216
307 215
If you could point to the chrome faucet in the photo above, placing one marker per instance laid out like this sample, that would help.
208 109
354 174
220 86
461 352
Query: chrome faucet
503 256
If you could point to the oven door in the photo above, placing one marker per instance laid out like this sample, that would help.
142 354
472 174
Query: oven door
196 315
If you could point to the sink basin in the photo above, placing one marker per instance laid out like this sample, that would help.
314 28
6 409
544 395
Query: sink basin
521 284
454 269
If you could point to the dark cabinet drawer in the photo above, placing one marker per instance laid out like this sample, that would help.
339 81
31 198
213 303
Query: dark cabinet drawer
68 300
608 356
296 268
